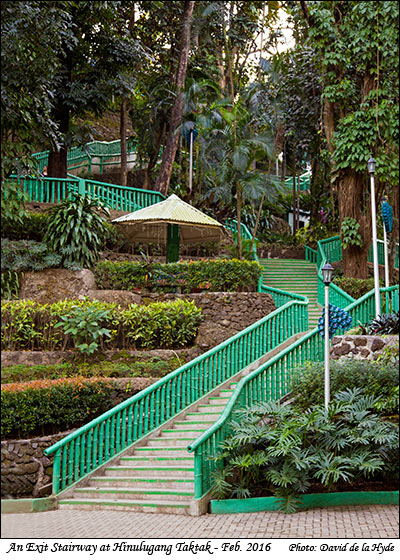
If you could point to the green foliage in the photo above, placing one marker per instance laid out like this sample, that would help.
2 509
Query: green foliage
90 326
32 226
388 323
9 285
247 254
376 378
350 233
13 201
281 450
217 275
84 326
161 325
21 256
133 366
77 230
355 287
49 406
310 234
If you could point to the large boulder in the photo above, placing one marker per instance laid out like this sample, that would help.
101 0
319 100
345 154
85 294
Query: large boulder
55 284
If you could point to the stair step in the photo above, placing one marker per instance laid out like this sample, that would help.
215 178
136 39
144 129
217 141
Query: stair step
199 416
145 481
170 442
173 451
152 471
117 493
156 460
144 506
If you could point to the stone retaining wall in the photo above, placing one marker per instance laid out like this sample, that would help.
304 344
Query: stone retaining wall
361 347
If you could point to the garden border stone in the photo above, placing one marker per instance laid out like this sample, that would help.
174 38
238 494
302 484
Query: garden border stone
308 501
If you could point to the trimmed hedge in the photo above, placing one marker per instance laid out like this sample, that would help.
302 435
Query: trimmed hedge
222 275
48 406
28 325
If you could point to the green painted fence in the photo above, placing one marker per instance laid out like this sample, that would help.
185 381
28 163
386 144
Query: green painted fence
95 443
103 152
126 199
270 381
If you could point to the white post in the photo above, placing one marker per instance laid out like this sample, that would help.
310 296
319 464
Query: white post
190 161
327 380
385 246
375 249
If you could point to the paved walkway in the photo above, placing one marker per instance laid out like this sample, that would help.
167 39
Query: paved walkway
376 522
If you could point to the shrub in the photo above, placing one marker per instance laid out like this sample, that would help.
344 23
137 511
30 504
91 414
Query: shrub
32 226
77 230
90 325
385 324
162 324
219 275
355 287
20 256
84 325
378 380
284 452
48 406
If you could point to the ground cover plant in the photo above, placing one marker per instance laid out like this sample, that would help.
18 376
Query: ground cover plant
379 380
227 275
285 451
140 366
90 326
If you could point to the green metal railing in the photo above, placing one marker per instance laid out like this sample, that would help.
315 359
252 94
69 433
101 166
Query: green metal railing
47 189
95 443
270 381
127 199
330 250
104 152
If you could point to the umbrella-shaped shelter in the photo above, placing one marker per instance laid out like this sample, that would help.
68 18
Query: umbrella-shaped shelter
171 221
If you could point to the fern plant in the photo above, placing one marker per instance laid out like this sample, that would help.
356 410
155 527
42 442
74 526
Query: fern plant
77 230
280 450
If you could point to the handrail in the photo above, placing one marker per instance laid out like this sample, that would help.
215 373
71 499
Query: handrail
270 381
98 441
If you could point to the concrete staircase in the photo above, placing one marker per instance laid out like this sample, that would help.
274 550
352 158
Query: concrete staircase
297 276
156 474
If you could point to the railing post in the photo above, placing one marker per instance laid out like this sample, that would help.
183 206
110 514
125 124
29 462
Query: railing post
198 475
56 471
82 187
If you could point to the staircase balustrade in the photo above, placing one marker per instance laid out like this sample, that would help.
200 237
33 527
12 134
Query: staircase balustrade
105 437
270 381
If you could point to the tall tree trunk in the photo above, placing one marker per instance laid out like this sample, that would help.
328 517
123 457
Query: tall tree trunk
294 201
239 218
57 164
164 176
350 200
122 135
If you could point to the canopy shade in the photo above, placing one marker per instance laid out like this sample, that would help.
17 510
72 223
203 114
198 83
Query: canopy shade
149 225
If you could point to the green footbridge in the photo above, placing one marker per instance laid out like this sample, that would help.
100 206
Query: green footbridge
150 453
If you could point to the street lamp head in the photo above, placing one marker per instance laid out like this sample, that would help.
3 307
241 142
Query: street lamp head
327 272
371 165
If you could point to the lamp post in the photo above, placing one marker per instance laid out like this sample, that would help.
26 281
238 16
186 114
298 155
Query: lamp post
327 271
371 170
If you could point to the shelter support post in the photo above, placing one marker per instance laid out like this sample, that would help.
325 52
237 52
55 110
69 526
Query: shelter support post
172 243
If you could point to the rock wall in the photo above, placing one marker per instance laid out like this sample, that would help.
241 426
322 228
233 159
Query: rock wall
225 313
25 471
361 347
